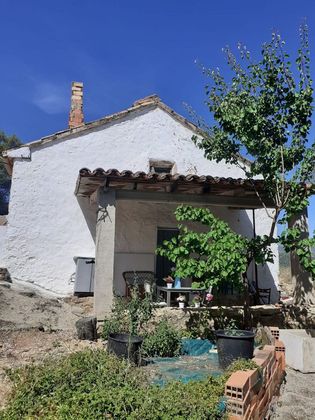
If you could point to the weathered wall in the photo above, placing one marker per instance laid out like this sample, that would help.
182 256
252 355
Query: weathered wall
47 227
3 243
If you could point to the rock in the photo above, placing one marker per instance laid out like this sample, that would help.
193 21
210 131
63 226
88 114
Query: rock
5 275
86 328
77 310
27 293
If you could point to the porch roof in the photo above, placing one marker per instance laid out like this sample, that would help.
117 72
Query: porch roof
173 188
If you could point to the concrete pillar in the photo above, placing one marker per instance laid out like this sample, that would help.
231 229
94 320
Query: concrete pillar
301 279
104 253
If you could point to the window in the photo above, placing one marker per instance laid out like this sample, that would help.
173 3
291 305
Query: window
161 166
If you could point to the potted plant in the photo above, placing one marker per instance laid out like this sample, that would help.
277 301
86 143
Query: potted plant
181 301
197 300
234 344
125 341
169 281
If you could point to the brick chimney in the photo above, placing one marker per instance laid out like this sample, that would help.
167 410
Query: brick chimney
76 117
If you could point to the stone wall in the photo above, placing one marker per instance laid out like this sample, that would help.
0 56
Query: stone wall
202 321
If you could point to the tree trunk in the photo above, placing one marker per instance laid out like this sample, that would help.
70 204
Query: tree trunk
247 316
304 290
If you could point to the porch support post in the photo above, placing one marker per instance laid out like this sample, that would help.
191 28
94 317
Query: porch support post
301 279
104 253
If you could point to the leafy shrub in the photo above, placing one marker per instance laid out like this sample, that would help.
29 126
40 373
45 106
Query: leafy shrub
164 341
128 315
95 385
241 364
117 321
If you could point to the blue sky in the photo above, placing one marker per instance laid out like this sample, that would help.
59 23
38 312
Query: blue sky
124 50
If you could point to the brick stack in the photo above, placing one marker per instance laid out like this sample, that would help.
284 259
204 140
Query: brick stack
248 393
76 117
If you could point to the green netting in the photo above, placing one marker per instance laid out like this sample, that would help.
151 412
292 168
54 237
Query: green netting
196 347
196 363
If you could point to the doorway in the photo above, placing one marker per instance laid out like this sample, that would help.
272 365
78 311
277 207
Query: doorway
163 265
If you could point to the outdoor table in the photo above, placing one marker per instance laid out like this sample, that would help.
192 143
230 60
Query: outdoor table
181 290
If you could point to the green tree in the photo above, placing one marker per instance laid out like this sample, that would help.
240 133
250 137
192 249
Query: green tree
6 142
264 111
214 255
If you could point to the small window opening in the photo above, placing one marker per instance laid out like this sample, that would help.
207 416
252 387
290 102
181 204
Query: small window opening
161 166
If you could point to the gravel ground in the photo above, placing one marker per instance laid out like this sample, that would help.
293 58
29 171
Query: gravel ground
297 399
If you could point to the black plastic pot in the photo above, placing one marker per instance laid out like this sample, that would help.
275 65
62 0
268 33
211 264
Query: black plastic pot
234 344
126 346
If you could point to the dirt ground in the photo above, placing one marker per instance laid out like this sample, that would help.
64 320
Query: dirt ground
22 308
34 327
297 399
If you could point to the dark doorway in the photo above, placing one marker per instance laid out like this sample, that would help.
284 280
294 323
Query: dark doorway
163 265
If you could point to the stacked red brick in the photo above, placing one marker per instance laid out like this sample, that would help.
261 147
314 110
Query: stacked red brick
76 117
249 393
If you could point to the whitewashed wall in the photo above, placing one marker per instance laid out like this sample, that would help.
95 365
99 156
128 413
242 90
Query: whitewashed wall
3 244
47 227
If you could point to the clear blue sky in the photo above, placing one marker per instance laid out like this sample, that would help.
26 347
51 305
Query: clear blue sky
124 50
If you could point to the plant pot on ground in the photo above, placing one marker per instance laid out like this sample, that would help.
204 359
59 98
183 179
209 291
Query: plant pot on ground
234 344
126 346
122 329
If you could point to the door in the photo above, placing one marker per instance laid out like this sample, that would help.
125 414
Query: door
163 265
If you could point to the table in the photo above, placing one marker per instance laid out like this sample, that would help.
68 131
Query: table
181 290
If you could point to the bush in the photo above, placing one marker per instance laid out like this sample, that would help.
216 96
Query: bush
95 385
117 321
241 364
164 341
129 315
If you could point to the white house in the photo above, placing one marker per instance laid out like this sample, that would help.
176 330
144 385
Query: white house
56 207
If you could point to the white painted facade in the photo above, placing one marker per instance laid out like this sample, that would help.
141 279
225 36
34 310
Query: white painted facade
46 224
3 244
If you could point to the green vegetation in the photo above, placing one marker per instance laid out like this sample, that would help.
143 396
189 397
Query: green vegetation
241 364
95 385
129 315
6 142
164 341
213 257
132 315
264 111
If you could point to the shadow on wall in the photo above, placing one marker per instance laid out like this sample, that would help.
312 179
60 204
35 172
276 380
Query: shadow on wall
266 281
242 224
89 210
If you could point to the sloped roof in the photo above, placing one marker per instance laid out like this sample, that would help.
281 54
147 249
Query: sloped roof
230 190
147 103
